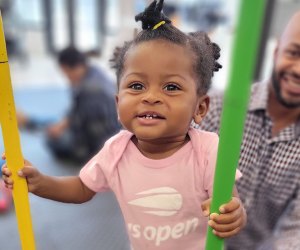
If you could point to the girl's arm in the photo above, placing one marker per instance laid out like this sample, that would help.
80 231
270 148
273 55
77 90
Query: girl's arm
64 189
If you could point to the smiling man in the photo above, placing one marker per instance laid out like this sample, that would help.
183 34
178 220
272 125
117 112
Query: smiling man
270 152
286 72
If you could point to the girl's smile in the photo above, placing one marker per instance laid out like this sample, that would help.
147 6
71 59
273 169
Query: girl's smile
150 118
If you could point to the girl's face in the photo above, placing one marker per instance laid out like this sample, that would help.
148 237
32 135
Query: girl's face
157 97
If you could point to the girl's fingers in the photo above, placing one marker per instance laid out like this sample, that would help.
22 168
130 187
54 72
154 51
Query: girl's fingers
3 156
226 227
205 206
234 204
227 234
27 171
7 180
9 186
226 218
5 170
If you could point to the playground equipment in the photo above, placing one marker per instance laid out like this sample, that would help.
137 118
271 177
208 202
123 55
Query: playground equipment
12 147
235 107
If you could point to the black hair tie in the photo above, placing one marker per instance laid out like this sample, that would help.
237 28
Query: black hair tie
152 16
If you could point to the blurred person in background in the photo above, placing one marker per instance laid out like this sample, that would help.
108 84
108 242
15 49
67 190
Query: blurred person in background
92 117
14 32
270 152
171 10
208 15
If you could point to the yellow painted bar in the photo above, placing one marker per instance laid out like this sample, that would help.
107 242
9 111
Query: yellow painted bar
12 147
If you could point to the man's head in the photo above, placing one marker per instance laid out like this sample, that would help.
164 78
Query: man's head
73 64
286 71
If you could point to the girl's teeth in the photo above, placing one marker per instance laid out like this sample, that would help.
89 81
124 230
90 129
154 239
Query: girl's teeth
150 116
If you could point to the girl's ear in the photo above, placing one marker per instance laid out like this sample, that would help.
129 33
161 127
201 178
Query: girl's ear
201 109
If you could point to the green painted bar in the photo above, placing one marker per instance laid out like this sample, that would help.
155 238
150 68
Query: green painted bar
235 107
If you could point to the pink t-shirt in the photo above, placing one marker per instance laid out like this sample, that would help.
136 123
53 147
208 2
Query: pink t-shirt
160 199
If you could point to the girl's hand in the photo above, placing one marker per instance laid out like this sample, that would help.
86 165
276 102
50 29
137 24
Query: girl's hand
230 221
32 175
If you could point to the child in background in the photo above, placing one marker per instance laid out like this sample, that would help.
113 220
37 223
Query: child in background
159 168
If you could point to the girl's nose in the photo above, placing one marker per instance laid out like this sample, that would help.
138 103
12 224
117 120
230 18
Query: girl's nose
151 97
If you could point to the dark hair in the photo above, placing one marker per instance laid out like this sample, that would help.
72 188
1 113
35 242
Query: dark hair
71 57
205 52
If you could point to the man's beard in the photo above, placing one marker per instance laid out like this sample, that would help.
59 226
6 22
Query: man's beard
282 101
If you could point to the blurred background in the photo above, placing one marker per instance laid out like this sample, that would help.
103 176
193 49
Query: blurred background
36 30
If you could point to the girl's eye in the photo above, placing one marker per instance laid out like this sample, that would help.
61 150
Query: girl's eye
136 86
172 87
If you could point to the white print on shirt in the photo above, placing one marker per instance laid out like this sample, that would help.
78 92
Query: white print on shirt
163 233
162 201
165 201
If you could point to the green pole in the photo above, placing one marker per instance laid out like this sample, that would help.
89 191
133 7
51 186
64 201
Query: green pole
235 107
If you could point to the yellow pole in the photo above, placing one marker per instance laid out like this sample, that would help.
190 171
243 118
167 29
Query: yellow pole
12 147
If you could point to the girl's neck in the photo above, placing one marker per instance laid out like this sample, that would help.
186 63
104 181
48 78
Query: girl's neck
160 149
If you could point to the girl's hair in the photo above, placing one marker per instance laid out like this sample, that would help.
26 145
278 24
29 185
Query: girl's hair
205 52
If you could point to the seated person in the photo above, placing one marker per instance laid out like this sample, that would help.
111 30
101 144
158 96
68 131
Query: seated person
92 118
